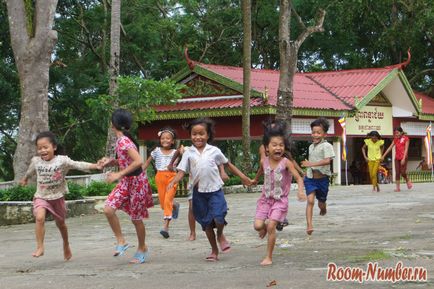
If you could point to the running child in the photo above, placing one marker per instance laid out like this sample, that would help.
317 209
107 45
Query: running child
51 187
191 219
201 160
133 193
401 143
374 143
278 171
162 155
317 180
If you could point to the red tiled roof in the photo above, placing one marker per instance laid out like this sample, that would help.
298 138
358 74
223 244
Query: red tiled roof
335 90
428 102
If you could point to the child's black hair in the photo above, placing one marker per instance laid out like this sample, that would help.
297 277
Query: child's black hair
205 121
169 130
276 128
374 133
322 122
53 140
398 128
122 120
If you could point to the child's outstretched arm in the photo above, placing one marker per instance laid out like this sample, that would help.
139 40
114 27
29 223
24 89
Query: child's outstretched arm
223 173
136 163
176 155
259 173
298 168
364 152
30 172
179 175
146 164
300 194
245 180
387 151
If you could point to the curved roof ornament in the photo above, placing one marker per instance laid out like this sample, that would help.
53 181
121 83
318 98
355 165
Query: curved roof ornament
404 64
190 62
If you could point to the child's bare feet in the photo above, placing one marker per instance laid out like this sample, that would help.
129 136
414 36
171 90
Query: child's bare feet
409 185
38 253
267 261
309 231
192 237
66 252
323 208
396 190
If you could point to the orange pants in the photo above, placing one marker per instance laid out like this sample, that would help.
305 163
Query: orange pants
162 179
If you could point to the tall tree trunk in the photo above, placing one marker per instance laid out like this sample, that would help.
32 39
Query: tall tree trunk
114 68
247 59
288 51
32 41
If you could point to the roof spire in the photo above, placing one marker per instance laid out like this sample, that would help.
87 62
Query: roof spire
404 64
190 62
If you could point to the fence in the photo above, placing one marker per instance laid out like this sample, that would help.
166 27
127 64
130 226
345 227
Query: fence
419 177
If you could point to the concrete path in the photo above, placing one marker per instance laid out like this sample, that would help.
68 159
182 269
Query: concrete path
360 227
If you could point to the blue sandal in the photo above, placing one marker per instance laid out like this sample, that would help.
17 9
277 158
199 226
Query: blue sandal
140 257
120 250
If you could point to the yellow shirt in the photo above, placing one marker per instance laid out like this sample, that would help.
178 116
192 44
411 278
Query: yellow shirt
374 149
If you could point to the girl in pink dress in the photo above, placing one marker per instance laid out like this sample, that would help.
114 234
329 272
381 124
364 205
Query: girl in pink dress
278 171
133 193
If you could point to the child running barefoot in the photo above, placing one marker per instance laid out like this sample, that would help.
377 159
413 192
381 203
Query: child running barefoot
201 160
317 181
50 169
191 219
401 142
278 171
133 193
374 143
162 157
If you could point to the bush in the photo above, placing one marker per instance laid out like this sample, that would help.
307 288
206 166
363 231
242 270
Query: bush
26 193
153 185
18 193
97 189
74 191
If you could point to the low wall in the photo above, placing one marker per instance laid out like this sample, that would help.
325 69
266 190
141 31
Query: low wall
13 213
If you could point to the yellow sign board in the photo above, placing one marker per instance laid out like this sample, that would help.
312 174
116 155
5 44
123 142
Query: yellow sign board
371 118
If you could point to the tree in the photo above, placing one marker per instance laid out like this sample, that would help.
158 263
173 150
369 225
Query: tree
247 60
32 41
115 49
288 50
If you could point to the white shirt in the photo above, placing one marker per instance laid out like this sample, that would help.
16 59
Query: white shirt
203 167
162 160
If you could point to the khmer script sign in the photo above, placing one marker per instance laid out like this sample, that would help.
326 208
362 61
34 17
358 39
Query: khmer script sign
371 118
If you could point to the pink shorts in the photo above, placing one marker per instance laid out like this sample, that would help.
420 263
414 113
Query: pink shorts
271 209
57 207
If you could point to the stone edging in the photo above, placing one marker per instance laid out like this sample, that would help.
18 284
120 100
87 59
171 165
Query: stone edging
13 213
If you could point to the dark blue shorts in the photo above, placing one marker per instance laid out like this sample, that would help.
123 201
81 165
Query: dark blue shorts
318 186
209 209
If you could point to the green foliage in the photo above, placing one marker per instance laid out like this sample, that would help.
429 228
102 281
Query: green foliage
153 185
97 189
74 192
18 193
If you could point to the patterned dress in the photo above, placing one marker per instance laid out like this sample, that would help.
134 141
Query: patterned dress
132 194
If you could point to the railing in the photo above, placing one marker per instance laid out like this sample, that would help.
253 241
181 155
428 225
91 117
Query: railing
419 176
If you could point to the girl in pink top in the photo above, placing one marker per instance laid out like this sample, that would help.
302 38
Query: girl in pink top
278 171
401 143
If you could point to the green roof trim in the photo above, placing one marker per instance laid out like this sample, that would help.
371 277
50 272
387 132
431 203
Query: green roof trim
426 116
377 89
180 75
407 87
263 110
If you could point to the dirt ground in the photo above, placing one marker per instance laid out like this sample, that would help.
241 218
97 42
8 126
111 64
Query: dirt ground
361 228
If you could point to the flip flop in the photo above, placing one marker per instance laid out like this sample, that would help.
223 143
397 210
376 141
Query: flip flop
165 234
140 257
280 225
225 247
120 250
175 212
212 258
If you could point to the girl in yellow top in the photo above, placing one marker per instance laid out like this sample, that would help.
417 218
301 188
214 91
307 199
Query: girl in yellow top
374 143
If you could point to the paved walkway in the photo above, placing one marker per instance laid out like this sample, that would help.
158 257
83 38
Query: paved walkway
361 226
